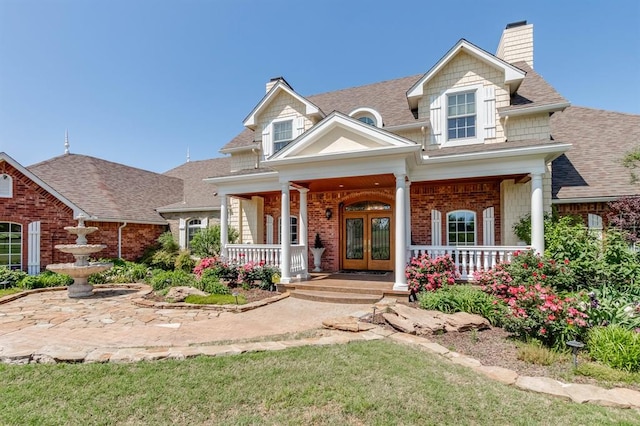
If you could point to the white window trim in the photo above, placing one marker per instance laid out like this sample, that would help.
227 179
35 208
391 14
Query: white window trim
367 112
478 89
9 252
475 225
6 181
297 233
203 224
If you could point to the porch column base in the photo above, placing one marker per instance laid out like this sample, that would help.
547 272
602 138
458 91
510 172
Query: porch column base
285 280
400 287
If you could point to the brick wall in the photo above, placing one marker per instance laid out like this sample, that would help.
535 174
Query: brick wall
31 203
583 210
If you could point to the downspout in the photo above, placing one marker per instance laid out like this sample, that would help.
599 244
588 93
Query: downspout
120 239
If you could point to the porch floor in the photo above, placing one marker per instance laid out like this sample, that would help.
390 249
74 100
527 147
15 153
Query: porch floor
345 287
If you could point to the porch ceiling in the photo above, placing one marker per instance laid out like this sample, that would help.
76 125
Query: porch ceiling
350 183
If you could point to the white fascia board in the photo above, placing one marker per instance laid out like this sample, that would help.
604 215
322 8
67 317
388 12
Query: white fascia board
239 149
240 178
408 126
188 209
511 73
120 220
585 200
345 168
338 120
310 108
259 182
76 209
547 151
322 159
478 168
560 106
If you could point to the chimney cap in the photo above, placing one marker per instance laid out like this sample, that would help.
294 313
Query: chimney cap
516 24
276 79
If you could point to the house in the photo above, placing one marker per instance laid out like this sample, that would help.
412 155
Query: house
441 162
37 202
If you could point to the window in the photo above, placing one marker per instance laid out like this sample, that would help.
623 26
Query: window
193 227
11 245
282 134
367 120
293 222
6 186
461 228
461 115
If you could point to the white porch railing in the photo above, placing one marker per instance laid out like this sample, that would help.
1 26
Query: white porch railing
270 254
469 259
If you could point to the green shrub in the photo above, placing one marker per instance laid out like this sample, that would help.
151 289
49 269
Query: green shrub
463 298
615 346
607 374
425 273
533 352
215 299
161 280
162 255
210 283
44 280
123 272
13 276
185 262
609 306
206 243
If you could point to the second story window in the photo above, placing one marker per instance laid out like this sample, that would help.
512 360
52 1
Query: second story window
461 115
282 134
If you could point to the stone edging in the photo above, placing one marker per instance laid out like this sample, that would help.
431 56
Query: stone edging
146 303
15 296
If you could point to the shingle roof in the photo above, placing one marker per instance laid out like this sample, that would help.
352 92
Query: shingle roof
593 166
533 91
109 190
198 194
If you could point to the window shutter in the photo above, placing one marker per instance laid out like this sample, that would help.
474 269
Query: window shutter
182 233
204 223
436 120
436 228
267 146
489 112
34 248
298 127
489 232
595 225
269 230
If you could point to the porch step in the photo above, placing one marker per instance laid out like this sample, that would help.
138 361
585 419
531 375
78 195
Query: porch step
340 296
334 288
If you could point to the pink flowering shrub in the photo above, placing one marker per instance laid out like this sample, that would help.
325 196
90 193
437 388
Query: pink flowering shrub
426 274
526 285
245 274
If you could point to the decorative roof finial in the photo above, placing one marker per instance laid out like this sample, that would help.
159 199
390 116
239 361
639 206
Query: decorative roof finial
66 141
188 156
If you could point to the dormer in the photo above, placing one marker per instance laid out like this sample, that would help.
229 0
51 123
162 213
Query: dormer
281 116
461 95
367 116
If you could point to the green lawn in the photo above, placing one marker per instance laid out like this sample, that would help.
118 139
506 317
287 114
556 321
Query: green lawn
360 383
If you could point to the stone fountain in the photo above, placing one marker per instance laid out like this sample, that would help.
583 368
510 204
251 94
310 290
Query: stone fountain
82 268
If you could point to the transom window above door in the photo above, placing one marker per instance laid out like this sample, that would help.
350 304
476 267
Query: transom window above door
367 206
282 134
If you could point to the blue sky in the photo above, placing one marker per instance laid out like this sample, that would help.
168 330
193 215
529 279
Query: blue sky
140 81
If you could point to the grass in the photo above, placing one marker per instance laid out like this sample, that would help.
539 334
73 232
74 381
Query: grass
607 375
361 383
535 353
10 290
215 299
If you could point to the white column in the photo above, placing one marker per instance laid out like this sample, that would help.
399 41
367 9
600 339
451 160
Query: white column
304 231
537 214
224 225
285 235
401 234
408 214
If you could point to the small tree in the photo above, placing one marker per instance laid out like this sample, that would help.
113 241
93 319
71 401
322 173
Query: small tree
206 243
624 214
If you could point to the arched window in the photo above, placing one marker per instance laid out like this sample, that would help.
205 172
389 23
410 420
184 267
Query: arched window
11 245
193 227
6 186
368 116
367 120
461 228
293 222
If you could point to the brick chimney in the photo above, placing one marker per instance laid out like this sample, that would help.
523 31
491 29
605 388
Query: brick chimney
516 43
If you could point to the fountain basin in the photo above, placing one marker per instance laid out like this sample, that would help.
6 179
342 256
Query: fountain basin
80 286
82 250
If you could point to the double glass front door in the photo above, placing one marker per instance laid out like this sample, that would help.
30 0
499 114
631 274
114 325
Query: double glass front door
367 240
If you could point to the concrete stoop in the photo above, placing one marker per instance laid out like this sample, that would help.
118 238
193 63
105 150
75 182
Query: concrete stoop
340 294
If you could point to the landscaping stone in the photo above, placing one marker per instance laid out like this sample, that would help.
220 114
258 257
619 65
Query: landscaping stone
499 374
178 294
425 322
399 323
348 323
463 360
588 393
543 385
463 321
630 395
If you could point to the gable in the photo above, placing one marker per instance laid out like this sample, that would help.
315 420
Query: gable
340 134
